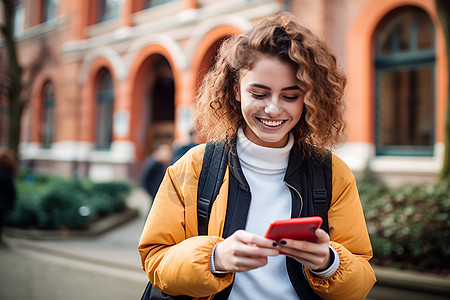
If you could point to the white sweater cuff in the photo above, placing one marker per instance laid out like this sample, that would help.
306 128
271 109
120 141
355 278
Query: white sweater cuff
212 267
331 269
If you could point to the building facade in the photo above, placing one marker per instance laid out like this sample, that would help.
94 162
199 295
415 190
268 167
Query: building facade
113 78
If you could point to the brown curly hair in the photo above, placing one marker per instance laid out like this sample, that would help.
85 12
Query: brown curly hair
322 123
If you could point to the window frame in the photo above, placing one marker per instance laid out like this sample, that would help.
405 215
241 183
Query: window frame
411 61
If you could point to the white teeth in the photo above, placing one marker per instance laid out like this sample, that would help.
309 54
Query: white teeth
271 123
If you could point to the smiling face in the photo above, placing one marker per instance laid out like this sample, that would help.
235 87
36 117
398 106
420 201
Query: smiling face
271 102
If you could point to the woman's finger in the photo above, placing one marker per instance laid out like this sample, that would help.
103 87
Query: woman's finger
254 239
314 255
243 251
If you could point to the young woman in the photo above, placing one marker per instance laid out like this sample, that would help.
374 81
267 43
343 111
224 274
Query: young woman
275 94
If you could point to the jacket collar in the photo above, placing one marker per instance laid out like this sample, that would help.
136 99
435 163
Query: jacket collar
294 164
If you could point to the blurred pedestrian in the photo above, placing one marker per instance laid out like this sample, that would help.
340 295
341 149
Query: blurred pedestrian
8 168
181 150
154 167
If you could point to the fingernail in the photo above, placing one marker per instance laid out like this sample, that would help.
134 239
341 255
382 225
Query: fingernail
283 242
274 244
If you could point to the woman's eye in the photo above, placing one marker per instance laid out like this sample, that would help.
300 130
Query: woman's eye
258 96
291 98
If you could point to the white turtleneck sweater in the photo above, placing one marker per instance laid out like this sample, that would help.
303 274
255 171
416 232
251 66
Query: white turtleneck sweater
264 168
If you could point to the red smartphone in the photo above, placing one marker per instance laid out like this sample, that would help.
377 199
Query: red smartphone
295 229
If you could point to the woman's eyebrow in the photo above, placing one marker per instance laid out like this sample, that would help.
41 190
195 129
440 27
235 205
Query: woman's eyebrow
261 86
290 88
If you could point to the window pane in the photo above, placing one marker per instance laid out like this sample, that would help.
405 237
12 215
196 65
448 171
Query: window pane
48 10
104 111
404 36
104 125
47 116
19 18
406 108
47 134
151 3
107 10
425 33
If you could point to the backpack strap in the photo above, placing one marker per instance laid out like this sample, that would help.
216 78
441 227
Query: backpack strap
322 189
210 181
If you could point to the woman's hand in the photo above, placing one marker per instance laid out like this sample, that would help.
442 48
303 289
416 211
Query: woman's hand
243 251
313 255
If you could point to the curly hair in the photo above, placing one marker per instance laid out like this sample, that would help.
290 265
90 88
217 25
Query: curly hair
322 123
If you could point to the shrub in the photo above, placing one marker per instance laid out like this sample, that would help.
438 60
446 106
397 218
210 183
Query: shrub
114 192
26 213
49 202
409 225
61 204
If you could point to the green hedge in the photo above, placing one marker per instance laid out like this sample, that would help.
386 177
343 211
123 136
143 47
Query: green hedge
409 225
49 202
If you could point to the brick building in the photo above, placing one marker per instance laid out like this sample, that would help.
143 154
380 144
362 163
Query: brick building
115 77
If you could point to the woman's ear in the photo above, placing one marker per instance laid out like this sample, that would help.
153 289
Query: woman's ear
237 92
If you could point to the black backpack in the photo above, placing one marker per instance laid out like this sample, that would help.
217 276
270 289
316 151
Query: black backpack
214 165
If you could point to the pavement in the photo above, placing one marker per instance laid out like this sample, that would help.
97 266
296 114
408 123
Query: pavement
114 253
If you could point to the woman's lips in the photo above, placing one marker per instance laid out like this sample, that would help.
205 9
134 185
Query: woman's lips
271 123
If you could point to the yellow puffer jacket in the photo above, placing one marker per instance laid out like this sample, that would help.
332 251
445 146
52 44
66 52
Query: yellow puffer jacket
176 259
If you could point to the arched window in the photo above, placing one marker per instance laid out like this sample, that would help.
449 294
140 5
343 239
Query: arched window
47 115
404 74
104 110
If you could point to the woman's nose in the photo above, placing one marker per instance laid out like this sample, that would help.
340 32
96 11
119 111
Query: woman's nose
272 108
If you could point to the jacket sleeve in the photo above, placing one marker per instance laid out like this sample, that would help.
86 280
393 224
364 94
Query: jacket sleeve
348 234
175 259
